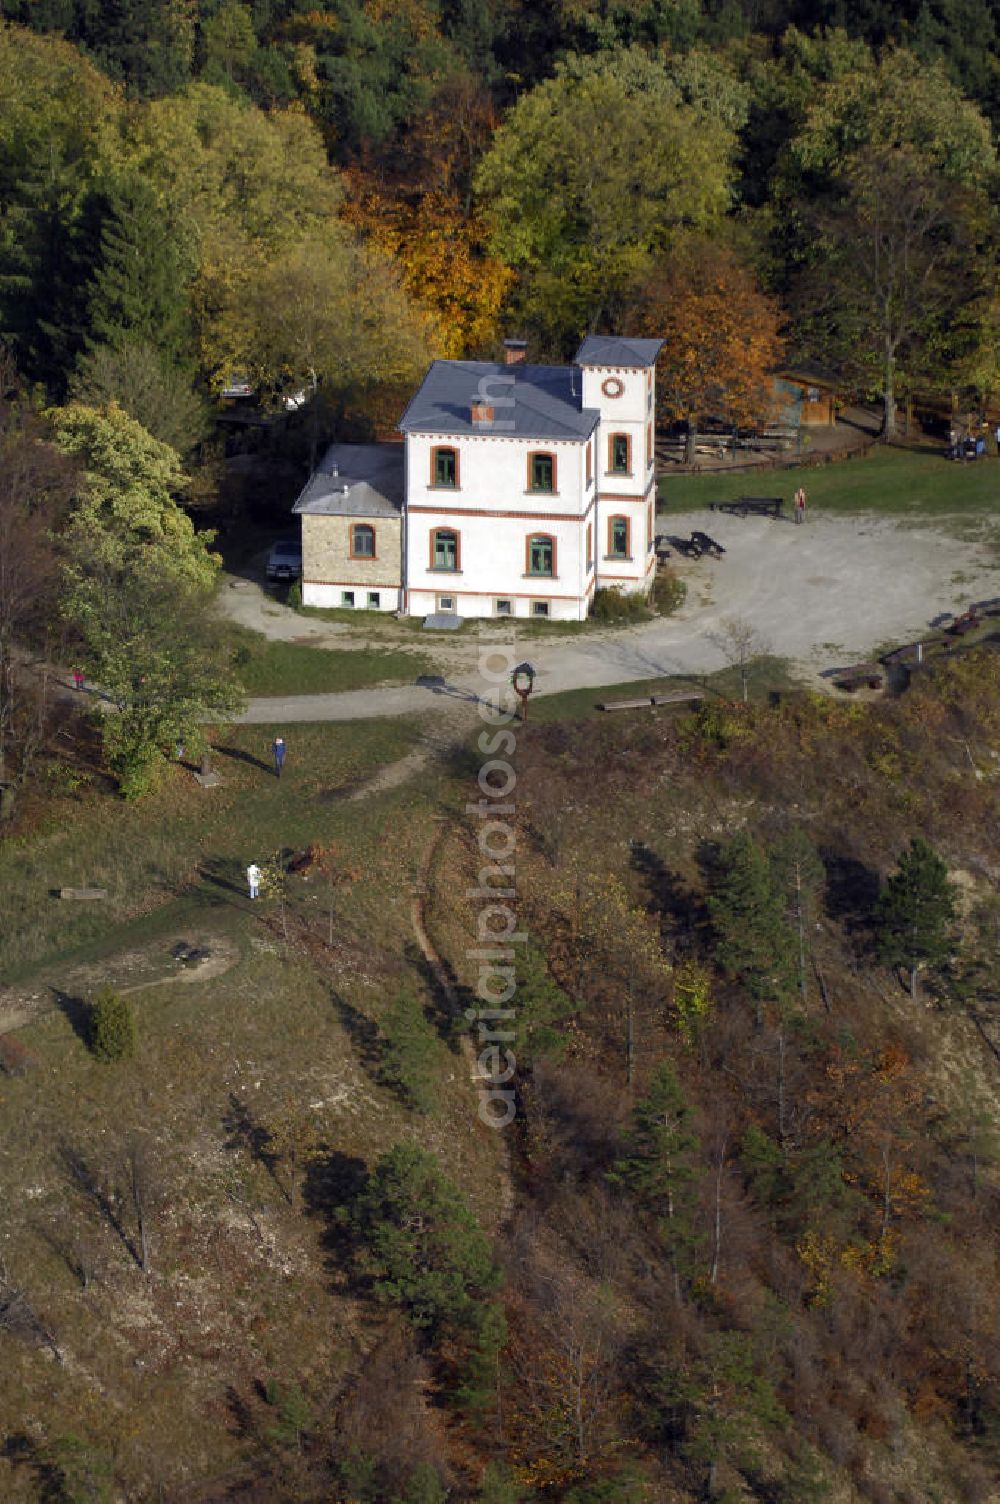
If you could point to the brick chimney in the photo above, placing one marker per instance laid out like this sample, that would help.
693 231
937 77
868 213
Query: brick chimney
514 351
481 412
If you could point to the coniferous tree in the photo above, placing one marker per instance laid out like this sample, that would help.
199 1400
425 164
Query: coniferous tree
916 912
754 942
657 1164
421 1243
410 1052
138 288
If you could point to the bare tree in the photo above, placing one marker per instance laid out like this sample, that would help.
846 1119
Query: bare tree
740 644
19 1318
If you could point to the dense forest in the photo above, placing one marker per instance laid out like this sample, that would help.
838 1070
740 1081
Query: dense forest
318 197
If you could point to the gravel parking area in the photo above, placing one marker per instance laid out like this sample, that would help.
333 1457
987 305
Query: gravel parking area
822 594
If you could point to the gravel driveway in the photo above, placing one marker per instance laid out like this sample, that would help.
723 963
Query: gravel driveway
822 594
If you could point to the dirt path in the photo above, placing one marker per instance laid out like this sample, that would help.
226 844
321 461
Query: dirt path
176 960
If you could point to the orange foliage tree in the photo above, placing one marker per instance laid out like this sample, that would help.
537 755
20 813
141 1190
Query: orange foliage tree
721 332
440 251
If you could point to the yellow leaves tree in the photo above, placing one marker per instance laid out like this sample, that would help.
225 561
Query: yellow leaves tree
441 253
721 332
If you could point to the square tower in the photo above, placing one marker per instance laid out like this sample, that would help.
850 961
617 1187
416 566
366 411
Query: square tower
619 381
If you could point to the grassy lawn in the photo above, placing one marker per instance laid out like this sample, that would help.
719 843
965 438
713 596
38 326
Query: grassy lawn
896 482
281 1049
183 839
766 676
291 668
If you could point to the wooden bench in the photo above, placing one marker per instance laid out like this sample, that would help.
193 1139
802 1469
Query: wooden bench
647 702
751 506
83 893
860 676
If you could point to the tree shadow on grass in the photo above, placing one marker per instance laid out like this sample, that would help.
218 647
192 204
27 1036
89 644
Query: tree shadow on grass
252 1137
99 1190
237 754
76 1011
363 1032
683 913
450 998
852 891
333 1182
224 872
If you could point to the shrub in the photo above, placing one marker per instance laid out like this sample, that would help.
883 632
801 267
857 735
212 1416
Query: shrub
614 605
294 596
112 1026
668 592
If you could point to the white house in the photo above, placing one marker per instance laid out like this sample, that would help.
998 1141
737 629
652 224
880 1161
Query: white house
523 489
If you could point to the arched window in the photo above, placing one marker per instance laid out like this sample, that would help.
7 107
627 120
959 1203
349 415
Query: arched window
541 472
541 555
444 468
362 541
619 454
444 548
618 537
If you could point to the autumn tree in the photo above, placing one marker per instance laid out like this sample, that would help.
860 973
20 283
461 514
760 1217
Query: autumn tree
721 332
128 496
916 913
441 251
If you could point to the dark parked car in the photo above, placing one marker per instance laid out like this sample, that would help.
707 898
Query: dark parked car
284 562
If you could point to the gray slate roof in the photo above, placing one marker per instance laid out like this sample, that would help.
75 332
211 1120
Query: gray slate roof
609 350
529 402
355 480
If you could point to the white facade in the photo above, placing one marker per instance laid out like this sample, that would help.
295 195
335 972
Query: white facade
498 521
507 517
519 490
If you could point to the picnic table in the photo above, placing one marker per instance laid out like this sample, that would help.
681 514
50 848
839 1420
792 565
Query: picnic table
751 506
707 545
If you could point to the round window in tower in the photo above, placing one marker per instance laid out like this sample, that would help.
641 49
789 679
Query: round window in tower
612 386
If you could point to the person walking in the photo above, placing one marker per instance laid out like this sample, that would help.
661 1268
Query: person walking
253 880
78 680
800 504
278 748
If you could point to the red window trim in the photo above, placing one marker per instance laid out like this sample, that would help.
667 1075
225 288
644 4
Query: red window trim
529 573
434 483
374 553
537 454
611 453
619 517
437 568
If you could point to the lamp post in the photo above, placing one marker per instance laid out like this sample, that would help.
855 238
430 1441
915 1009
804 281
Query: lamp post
523 680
